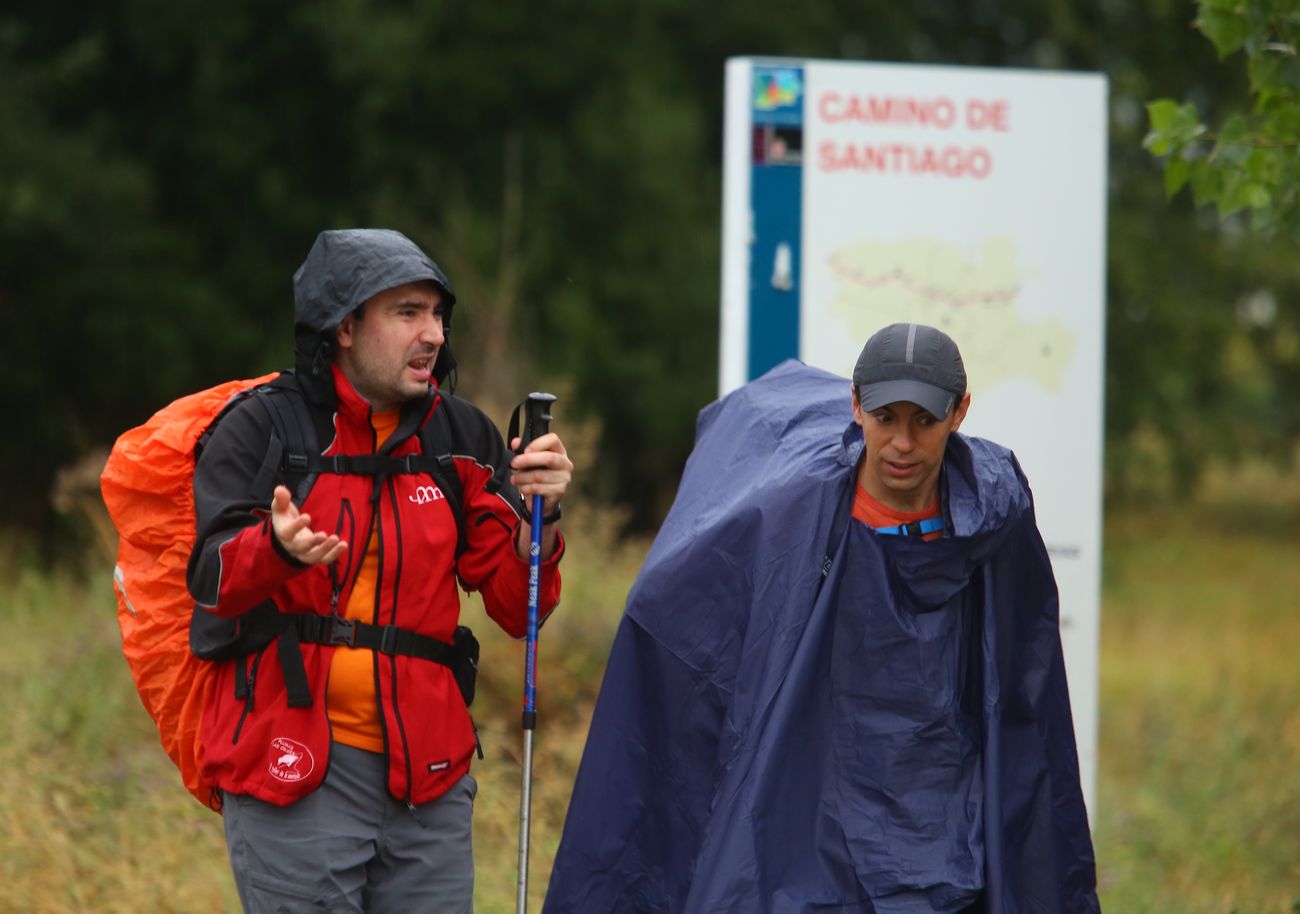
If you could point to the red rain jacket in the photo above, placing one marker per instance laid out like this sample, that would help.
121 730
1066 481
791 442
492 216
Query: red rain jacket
257 744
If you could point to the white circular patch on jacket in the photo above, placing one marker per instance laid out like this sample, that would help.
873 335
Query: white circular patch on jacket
290 760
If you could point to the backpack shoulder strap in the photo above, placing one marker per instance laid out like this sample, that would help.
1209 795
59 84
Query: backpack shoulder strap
297 434
268 473
437 440
295 453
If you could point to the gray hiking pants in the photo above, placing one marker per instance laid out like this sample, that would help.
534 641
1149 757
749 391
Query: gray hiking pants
350 847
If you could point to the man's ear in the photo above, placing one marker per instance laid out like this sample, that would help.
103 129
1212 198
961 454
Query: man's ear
959 411
857 410
343 333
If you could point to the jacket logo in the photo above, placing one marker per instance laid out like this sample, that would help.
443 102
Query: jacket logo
291 761
425 494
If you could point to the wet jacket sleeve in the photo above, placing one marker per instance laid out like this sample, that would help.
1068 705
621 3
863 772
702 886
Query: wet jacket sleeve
493 509
237 561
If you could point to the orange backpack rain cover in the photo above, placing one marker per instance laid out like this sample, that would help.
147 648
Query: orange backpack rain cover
148 486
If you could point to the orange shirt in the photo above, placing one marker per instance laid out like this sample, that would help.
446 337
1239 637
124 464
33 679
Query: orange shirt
350 695
875 514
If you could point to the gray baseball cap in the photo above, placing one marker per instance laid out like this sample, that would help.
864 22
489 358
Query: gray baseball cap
913 363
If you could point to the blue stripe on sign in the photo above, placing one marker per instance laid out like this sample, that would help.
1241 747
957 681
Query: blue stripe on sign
776 200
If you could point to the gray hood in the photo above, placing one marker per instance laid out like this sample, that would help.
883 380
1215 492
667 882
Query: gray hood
343 269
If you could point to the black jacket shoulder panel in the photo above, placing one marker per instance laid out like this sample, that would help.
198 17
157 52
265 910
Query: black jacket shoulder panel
476 437
233 453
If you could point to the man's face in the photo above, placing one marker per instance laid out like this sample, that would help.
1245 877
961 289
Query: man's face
388 351
905 446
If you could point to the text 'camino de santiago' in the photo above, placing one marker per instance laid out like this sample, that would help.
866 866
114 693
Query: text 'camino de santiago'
866 114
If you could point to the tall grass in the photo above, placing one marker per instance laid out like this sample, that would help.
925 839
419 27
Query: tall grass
1200 712
1200 732
93 817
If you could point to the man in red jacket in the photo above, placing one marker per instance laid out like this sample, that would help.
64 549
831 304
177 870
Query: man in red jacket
341 743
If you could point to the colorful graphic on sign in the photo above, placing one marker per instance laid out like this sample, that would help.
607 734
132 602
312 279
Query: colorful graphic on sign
777 89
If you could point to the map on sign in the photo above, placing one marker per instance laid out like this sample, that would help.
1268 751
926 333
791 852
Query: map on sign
971 294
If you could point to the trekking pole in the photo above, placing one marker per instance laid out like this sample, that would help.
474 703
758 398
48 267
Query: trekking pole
537 420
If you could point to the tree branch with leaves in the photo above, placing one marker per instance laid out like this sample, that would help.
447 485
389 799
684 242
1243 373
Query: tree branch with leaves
1251 162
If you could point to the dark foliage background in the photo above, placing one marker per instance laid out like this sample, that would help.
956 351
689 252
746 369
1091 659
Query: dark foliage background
165 166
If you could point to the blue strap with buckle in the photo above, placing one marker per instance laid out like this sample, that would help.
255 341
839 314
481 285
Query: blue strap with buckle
915 528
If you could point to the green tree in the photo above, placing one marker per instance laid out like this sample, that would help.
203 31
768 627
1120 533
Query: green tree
1251 161
164 167
1239 386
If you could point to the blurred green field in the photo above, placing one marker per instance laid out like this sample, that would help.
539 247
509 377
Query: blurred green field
1199 777
1199 790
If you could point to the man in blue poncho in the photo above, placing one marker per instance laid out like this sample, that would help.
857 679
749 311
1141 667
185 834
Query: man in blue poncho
838 685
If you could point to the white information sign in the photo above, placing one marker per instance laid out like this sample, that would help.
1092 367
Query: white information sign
858 194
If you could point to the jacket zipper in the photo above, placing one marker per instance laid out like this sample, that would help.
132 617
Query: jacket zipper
397 578
336 582
248 698
377 529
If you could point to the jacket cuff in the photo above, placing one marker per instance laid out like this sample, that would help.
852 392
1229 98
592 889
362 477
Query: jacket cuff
550 561
555 556
279 547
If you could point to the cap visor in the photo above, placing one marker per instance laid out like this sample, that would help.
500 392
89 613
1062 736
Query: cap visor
934 400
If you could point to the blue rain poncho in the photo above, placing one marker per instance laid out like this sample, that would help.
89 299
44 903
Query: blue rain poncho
802 715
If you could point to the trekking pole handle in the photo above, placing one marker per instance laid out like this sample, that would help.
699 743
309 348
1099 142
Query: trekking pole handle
537 418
